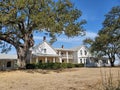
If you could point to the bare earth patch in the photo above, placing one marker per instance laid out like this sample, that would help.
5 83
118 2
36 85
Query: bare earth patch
68 79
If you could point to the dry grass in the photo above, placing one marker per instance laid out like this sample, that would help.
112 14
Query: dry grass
68 79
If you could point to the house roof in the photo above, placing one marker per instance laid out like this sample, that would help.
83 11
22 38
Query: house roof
47 55
78 47
63 49
8 57
36 47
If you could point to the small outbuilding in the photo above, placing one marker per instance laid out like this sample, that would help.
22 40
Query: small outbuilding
8 61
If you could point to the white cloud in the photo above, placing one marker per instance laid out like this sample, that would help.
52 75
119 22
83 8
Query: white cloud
91 34
90 18
77 39
65 39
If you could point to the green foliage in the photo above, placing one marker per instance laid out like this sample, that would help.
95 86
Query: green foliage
107 43
79 65
56 66
20 19
63 65
53 66
30 66
88 41
70 65
25 16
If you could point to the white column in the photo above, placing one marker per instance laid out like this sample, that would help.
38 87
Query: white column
36 59
83 60
59 53
67 57
60 60
45 59
53 60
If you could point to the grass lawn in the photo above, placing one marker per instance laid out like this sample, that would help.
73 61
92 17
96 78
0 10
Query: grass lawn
67 79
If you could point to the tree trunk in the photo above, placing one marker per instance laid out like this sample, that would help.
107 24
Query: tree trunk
23 57
112 64
112 60
23 52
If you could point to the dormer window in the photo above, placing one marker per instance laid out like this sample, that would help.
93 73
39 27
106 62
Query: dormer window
85 52
61 53
80 52
44 50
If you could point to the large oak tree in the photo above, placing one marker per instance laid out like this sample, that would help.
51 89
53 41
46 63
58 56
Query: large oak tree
107 43
19 19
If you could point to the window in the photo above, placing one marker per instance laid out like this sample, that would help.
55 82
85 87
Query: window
9 64
80 60
85 52
80 52
62 61
44 50
40 61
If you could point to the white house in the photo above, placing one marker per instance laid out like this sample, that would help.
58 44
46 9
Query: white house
44 52
8 61
81 54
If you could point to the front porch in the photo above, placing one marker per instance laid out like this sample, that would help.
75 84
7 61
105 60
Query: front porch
45 59
50 59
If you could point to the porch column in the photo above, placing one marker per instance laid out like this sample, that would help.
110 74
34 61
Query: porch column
83 60
36 59
54 60
45 59
60 60
59 53
67 57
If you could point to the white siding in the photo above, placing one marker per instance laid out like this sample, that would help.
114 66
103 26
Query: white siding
44 48
82 54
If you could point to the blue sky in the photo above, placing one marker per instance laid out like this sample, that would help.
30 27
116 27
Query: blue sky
93 11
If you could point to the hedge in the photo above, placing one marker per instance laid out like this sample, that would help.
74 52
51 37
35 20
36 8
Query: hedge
52 65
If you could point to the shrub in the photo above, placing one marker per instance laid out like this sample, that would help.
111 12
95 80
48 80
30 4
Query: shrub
56 66
30 66
52 65
79 65
70 65
63 65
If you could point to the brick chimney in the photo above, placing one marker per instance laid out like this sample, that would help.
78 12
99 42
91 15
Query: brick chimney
44 38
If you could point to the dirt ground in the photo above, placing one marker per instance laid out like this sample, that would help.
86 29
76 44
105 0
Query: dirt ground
68 79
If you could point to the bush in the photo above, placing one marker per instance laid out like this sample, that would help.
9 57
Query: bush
52 65
30 66
56 66
63 65
79 65
70 65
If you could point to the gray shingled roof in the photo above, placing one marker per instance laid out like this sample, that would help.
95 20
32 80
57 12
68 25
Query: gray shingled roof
78 47
63 49
48 55
7 56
